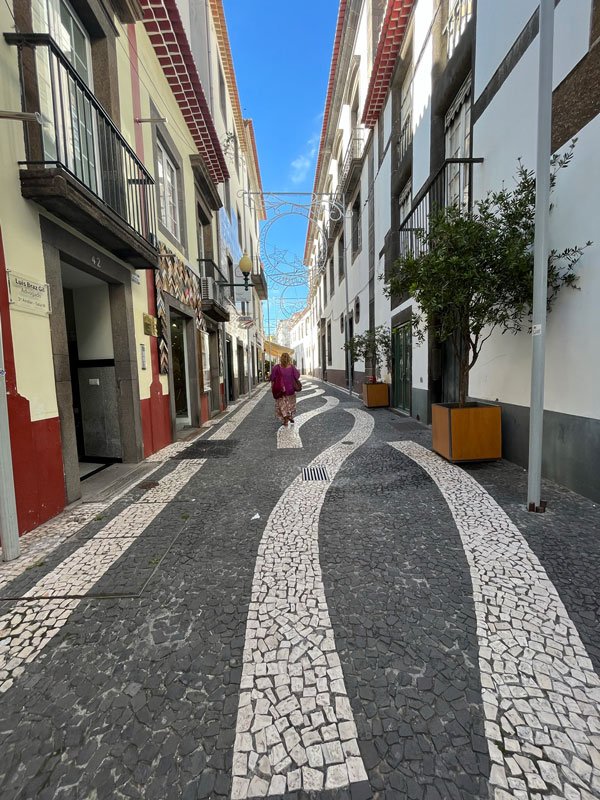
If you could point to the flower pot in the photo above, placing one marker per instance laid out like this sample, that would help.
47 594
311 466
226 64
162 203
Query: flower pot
376 395
469 433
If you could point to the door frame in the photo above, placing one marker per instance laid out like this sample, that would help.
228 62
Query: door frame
401 320
193 385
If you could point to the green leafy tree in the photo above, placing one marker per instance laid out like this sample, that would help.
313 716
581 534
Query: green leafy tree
472 271
374 346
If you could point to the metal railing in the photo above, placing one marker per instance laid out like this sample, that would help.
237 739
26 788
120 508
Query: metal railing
354 152
405 138
79 136
459 14
450 185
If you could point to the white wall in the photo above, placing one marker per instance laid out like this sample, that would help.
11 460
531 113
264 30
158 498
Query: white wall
505 132
499 24
421 114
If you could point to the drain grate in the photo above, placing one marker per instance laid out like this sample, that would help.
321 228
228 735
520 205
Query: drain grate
315 474
146 485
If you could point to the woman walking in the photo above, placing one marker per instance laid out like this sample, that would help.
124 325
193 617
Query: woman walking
285 382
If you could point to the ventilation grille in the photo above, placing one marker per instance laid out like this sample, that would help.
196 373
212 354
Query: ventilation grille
315 474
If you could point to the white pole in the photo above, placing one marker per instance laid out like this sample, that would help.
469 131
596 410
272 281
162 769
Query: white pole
9 528
540 268
347 320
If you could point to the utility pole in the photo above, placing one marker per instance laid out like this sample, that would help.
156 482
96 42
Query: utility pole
540 264
9 528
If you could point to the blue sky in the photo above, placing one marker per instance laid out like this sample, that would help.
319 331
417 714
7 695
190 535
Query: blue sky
282 54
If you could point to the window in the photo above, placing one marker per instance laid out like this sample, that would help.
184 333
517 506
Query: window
228 198
325 288
341 247
329 352
331 278
222 95
459 13
168 191
406 102
357 310
236 154
405 201
239 226
458 144
356 227
342 323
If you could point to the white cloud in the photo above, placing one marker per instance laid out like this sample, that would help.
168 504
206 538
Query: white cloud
302 164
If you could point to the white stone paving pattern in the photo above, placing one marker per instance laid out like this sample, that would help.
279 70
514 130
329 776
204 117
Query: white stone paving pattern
289 437
295 728
540 692
31 624
309 395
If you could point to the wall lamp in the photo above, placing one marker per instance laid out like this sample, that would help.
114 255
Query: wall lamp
245 267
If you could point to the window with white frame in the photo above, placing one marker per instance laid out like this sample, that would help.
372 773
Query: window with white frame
406 103
168 191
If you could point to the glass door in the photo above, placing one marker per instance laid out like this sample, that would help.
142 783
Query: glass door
401 367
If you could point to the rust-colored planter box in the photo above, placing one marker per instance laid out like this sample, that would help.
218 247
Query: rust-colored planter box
376 395
470 433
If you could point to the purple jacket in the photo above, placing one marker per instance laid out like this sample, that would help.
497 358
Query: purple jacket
290 374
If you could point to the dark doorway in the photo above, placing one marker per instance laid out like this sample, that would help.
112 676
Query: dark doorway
401 367
241 371
230 376
180 369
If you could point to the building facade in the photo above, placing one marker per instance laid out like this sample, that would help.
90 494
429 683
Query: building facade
113 332
435 101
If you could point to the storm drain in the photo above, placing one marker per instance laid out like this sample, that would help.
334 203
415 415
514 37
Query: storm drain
315 474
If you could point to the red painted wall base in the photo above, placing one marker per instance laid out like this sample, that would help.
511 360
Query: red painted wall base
156 420
37 465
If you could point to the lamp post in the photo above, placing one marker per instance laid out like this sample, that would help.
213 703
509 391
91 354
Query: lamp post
540 256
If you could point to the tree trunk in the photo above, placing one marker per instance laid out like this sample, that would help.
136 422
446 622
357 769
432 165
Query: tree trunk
463 370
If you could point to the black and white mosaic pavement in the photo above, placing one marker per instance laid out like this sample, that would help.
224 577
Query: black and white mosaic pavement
231 628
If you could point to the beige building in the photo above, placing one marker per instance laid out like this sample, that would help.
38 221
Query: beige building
111 209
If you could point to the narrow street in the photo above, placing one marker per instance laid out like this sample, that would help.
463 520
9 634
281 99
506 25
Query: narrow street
382 625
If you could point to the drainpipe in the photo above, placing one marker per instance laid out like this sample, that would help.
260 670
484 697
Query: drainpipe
9 528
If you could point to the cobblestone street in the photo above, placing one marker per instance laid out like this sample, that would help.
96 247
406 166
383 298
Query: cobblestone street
382 624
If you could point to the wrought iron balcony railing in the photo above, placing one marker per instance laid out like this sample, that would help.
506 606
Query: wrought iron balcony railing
352 159
79 137
459 14
405 138
450 185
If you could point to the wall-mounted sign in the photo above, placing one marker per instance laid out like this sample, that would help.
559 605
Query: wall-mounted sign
150 325
28 295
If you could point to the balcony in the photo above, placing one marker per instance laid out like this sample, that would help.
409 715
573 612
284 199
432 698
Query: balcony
259 281
353 160
450 185
78 164
459 14
214 304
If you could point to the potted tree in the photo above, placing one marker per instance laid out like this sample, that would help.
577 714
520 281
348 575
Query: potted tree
471 274
373 347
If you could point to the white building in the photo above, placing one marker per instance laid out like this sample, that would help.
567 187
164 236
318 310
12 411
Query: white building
242 201
437 98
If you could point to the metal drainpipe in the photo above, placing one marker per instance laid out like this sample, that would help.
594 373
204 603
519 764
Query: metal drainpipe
9 528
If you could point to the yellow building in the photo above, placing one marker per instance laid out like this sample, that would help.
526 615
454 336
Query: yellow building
108 212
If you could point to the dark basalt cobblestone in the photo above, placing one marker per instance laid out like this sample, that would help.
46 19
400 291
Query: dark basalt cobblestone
137 697
399 594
